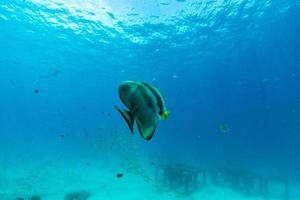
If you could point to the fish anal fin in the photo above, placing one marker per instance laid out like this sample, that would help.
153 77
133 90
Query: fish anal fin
127 115
146 131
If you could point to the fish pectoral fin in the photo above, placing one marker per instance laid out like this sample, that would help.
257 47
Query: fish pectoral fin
146 131
127 115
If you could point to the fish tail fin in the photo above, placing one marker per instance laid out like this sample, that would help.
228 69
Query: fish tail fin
128 116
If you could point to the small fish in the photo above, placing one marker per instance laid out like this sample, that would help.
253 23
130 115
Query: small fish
146 106
224 128
36 91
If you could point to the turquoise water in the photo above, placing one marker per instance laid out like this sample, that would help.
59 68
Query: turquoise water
229 70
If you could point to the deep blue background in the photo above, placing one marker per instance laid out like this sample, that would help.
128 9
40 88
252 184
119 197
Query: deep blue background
232 62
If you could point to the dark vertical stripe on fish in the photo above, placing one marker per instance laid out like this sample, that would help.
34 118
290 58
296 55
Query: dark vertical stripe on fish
157 96
145 95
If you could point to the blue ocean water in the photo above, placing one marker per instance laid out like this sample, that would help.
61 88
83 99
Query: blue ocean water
218 62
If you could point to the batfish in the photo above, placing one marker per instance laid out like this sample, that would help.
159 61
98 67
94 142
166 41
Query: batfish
146 105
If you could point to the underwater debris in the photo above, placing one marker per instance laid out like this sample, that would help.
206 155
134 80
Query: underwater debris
238 177
281 182
180 178
146 105
249 183
80 195
36 91
119 175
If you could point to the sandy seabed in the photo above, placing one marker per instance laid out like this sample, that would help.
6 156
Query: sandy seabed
54 181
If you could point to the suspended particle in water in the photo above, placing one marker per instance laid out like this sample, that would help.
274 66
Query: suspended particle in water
86 134
119 175
12 82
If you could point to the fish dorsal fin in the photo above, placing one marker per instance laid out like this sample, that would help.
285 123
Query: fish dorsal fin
146 130
127 115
